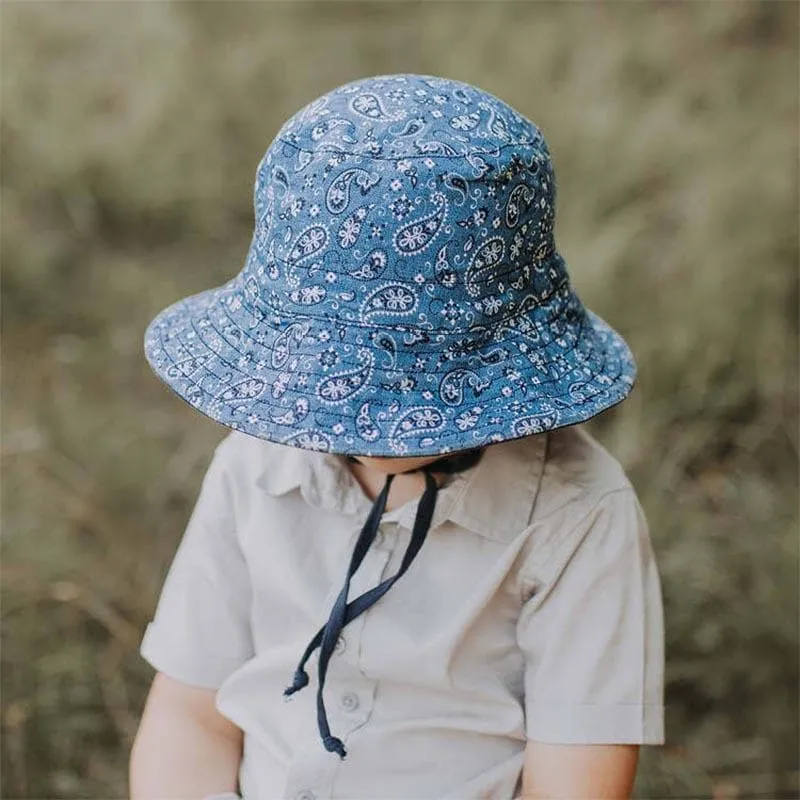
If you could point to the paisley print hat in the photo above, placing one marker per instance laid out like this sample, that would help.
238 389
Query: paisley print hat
402 294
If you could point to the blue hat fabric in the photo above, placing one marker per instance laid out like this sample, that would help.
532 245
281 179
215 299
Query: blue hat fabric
402 294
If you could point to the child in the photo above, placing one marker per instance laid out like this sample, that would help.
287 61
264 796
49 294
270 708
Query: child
406 515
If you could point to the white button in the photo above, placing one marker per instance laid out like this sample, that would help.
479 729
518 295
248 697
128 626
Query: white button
306 794
340 646
349 701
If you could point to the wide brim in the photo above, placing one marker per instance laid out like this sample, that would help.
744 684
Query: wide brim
366 397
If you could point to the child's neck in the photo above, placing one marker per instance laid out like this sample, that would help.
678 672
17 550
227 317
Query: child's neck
403 489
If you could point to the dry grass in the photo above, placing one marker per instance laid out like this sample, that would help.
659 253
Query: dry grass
130 135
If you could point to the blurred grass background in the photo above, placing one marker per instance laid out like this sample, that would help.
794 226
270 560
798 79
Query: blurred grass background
130 136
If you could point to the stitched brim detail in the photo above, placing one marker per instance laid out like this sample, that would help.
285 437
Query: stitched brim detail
320 384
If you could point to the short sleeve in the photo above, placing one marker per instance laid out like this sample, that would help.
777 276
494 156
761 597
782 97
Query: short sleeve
200 632
592 631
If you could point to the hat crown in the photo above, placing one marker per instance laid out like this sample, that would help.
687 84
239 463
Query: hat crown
408 116
405 202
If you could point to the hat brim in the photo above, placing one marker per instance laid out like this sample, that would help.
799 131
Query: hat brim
321 384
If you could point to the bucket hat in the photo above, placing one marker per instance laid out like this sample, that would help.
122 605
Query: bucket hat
402 296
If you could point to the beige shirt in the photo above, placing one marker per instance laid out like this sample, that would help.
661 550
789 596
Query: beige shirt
533 611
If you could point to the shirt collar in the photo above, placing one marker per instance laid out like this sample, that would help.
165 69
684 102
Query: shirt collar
494 499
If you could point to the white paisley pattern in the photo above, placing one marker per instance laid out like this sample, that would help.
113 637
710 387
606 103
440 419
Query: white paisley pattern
403 294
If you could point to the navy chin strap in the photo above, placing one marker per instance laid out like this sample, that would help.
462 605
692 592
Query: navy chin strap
343 612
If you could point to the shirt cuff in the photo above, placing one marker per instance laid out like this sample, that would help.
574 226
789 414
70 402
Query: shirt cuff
555 723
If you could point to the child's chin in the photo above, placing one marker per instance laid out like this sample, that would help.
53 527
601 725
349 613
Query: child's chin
387 465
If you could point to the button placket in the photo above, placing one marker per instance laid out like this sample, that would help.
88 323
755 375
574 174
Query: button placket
311 772
351 697
371 569
354 700
370 573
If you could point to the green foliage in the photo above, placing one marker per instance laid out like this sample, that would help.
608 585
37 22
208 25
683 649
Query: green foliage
130 136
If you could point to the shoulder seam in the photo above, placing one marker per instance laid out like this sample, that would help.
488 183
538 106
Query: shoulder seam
542 465
603 493
536 566
597 447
